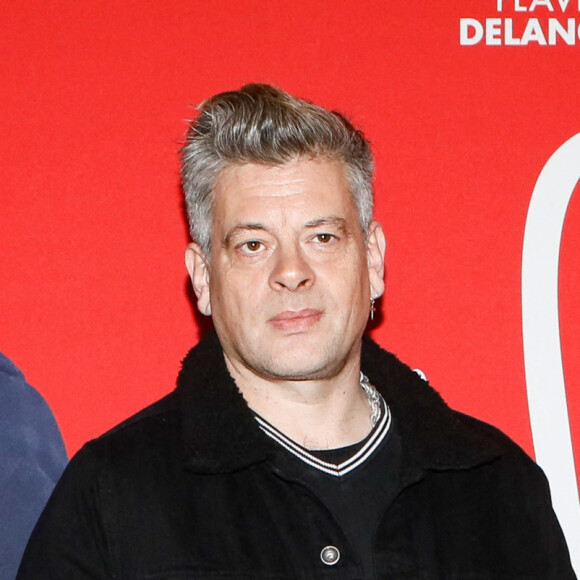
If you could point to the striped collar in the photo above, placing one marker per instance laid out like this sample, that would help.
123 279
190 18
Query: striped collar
371 443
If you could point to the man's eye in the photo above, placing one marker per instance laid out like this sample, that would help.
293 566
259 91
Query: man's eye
251 246
324 238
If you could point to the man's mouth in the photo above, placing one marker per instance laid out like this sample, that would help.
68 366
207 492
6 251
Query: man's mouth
296 320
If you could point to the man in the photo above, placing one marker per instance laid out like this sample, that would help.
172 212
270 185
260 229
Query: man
293 447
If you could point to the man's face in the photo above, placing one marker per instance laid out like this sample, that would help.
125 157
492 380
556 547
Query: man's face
290 275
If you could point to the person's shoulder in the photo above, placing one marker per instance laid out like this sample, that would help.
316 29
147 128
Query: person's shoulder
19 401
511 457
440 434
139 440
491 433
158 415
26 421
145 441
162 416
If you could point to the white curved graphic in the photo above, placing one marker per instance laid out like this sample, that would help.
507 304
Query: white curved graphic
541 334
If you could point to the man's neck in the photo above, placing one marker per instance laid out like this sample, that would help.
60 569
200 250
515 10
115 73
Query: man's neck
318 414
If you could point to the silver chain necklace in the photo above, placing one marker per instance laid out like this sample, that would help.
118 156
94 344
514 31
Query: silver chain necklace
373 398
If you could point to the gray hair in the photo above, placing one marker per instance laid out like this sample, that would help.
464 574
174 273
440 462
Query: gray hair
263 124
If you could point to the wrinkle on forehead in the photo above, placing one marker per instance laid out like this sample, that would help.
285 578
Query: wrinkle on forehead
280 194
274 186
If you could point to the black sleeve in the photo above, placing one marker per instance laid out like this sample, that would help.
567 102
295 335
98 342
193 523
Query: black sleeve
548 527
69 540
516 497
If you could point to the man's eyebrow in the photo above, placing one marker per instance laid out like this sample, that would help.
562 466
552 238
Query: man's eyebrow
242 228
333 221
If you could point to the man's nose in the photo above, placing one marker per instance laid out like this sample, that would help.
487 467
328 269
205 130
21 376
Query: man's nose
291 271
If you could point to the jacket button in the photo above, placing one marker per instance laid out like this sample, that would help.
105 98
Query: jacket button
330 555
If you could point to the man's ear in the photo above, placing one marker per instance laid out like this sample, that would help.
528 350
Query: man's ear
376 247
198 270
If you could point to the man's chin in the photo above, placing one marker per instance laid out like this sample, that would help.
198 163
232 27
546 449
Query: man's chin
300 366
295 374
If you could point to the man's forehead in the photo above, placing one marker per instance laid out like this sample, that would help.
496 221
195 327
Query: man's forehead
291 172
263 176
300 194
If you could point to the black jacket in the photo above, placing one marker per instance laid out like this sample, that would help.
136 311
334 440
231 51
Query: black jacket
186 489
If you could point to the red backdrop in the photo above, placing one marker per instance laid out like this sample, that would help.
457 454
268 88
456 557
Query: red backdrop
94 95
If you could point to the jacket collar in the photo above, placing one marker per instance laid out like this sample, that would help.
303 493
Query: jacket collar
220 433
